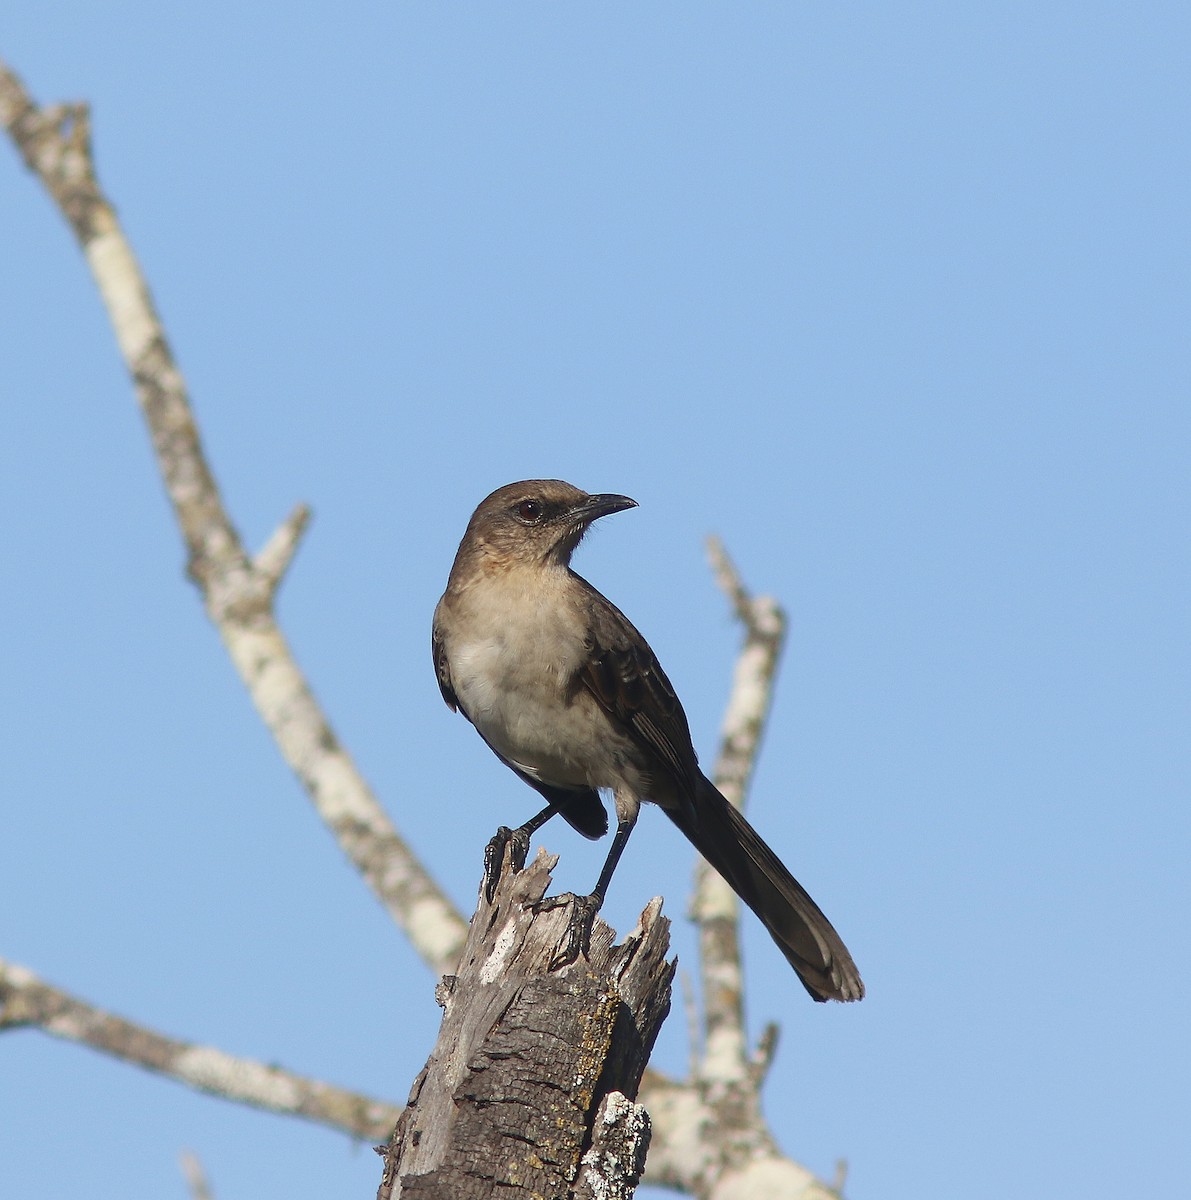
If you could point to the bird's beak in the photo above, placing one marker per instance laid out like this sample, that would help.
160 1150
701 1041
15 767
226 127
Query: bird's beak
602 505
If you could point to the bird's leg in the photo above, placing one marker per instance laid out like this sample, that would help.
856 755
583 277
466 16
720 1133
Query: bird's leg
577 939
518 842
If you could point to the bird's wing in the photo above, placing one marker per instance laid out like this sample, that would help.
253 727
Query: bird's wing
442 668
627 681
581 808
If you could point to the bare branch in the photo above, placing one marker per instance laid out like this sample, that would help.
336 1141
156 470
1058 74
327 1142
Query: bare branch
708 1144
238 592
196 1177
690 1011
763 1053
26 1000
709 1137
841 1176
278 552
752 687
728 580
714 905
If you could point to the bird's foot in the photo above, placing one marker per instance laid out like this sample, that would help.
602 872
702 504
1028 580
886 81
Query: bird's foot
577 939
517 841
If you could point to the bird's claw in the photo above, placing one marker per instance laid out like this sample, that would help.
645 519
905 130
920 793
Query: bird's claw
517 841
577 939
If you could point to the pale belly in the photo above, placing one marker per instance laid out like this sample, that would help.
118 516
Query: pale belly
515 676
517 700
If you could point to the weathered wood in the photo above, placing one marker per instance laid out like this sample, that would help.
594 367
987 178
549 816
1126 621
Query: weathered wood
529 1090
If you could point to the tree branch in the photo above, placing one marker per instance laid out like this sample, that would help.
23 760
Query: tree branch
237 591
26 1000
196 1177
715 906
278 552
709 1137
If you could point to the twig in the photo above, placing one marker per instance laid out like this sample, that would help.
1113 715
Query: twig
278 552
690 1010
26 1000
763 1053
841 1176
196 1177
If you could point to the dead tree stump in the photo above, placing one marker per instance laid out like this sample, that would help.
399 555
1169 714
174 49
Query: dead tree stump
530 1088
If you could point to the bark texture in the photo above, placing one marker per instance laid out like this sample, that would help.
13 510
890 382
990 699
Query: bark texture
530 1089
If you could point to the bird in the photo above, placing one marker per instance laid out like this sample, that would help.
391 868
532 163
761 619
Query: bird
570 697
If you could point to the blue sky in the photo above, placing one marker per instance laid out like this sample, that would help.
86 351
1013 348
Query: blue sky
894 299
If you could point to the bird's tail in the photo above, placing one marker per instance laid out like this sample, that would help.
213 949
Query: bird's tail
803 934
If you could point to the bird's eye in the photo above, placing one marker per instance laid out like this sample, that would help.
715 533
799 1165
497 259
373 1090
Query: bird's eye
530 511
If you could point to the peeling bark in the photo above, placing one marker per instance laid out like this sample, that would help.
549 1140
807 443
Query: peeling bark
530 1088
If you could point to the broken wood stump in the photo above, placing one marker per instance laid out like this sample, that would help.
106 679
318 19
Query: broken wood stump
530 1090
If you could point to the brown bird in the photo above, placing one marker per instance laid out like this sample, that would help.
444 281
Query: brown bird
570 697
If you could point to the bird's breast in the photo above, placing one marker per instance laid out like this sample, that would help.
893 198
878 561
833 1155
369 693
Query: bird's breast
513 662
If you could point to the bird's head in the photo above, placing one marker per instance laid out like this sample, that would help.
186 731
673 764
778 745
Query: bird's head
538 520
